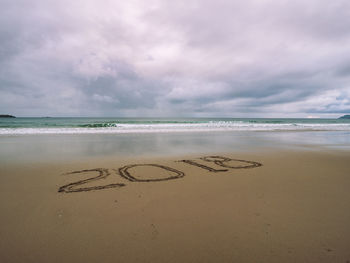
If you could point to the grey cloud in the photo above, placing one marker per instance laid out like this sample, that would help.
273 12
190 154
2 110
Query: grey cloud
174 57
343 70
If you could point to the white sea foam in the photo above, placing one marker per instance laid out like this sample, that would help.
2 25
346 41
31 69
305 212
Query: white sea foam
182 127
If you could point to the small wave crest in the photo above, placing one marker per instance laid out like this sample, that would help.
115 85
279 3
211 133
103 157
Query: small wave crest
98 125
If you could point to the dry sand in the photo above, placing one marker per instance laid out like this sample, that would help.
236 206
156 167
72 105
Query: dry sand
293 208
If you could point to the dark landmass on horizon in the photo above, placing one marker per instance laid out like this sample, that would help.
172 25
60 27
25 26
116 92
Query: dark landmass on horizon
344 117
6 116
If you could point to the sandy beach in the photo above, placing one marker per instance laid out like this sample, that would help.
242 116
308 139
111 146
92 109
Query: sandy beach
272 206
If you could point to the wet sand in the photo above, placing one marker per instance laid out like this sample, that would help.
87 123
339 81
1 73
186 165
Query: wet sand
294 207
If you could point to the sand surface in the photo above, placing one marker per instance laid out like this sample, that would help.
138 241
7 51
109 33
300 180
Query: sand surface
293 208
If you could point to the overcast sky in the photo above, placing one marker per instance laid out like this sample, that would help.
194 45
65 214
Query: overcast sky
222 58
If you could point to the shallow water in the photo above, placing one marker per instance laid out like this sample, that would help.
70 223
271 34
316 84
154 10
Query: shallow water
66 147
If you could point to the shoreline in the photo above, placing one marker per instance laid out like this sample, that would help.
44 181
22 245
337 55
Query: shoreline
8 132
66 148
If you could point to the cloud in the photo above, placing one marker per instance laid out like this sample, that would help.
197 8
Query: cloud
175 58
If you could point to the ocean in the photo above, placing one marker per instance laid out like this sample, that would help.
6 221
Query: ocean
17 126
37 140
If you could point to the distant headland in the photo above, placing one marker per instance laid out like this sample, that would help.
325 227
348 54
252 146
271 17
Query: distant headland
344 117
6 116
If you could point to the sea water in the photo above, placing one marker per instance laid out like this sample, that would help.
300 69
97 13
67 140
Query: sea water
15 126
66 139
